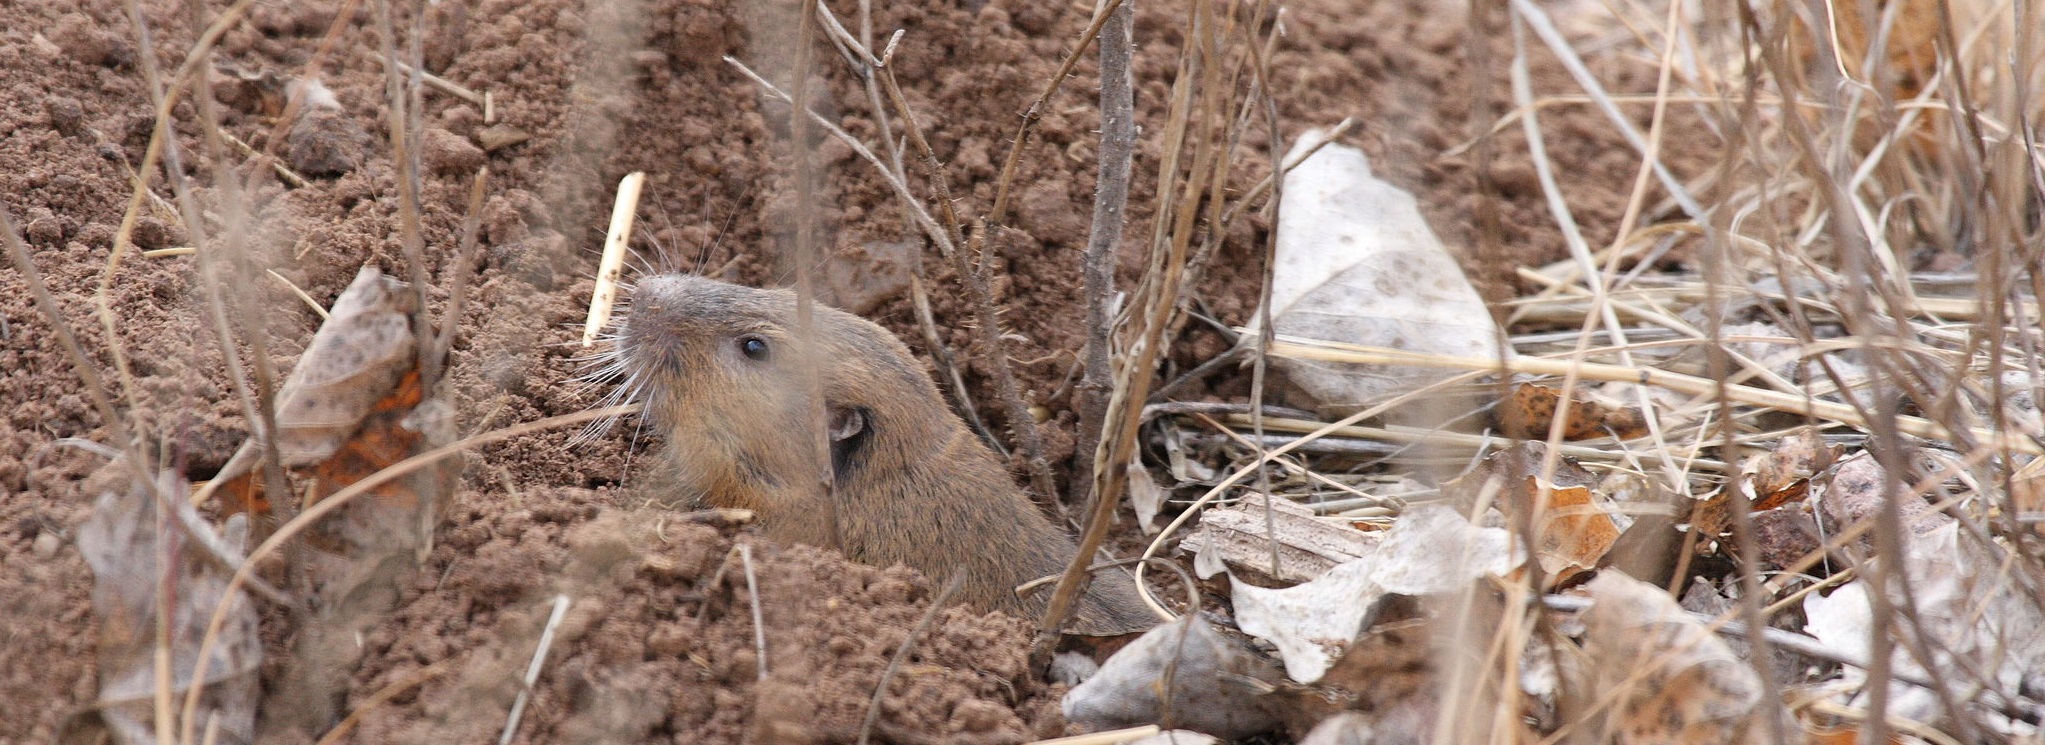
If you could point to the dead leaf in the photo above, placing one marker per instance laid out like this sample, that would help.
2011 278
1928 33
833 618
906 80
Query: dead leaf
349 382
1530 413
353 406
1145 496
1575 532
1357 263
1431 549
1674 681
1967 605
1784 474
125 544
1575 529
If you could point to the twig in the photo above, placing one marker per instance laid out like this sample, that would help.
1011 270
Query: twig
381 697
457 293
1111 202
532 671
159 139
866 64
954 383
937 234
309 302
283 171
902 652
405 128
972 273
1036 110
1690 384
1193 121
436 82
1109 737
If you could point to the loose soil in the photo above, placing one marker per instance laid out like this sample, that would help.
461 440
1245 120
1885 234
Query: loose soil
658 642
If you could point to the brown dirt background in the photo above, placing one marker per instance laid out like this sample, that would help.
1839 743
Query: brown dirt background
654 650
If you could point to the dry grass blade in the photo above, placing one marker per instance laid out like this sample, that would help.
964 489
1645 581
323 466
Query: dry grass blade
1689 384
1195 122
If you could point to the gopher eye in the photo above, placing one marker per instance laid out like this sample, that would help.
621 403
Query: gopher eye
754 346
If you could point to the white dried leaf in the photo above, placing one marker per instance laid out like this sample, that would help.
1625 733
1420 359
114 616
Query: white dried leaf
124 544
1973 615
1432 549
1145 496
1356 263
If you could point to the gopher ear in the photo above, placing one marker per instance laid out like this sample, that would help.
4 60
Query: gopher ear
848 430
846 423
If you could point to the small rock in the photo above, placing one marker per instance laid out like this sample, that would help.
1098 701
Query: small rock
45 47
82 38
327 142
43 227
46 545
499 136
445 153
1345 728
67 116
1218 684
153 233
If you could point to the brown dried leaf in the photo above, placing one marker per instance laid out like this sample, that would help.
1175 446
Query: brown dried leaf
1784 474
1575 531
338 411
352 407
1530 413
354 363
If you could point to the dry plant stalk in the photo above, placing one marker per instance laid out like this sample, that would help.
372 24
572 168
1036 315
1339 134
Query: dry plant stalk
1197 139
623 209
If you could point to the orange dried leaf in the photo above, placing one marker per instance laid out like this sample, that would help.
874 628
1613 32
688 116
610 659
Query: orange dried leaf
1575 532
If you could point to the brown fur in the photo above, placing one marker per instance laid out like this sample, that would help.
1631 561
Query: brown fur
881 469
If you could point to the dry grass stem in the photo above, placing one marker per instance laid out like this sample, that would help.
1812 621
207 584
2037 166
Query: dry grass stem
532 670
745 556
623 209
434 81
1689 384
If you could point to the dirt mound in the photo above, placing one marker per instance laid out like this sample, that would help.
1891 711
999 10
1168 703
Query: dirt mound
579 94
658 643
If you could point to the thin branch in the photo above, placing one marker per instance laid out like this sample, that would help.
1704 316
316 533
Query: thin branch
1111 202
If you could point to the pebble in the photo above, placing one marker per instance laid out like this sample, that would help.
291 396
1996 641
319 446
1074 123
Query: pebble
46 545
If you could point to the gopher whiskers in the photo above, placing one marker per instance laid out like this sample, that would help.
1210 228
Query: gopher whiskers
607 365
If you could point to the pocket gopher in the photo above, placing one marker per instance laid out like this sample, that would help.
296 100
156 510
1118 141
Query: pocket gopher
880 469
